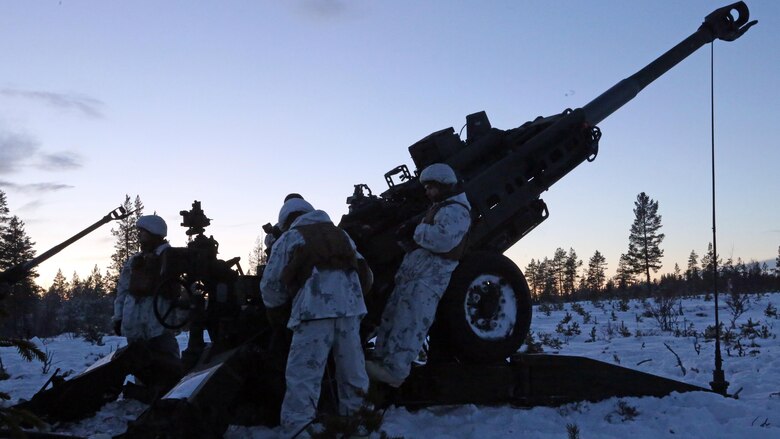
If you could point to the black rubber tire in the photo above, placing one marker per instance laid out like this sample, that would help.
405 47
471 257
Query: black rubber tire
457 333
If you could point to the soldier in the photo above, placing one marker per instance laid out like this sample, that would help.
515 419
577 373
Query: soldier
315 266
438 242
134 313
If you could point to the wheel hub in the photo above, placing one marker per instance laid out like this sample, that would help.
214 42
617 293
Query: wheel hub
491 307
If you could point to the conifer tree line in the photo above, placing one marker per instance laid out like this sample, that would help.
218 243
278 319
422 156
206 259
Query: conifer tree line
564 277
79 305
83 305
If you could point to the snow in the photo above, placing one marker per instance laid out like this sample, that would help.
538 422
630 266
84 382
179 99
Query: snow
753 373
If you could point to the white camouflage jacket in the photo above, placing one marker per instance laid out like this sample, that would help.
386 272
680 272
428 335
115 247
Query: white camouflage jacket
136 313
449 227
325 294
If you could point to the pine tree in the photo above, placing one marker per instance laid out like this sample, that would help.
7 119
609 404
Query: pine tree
545 280
15 248
556 270
138 209
59 286
596 274
754 274
126 243
740 268
94 304
51 315
583 284
624 275
72 309
6 257
257 257
777 263
571 266
11 417
533 278
692 272
708 263
727 269
644 241
4 218
549 280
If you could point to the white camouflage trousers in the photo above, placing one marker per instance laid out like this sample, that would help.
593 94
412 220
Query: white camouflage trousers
406 319
311 343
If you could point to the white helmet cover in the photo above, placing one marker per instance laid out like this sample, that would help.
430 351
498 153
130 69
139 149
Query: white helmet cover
293 205
440 173
153 224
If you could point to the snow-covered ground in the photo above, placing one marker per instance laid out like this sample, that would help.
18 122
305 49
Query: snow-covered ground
610 331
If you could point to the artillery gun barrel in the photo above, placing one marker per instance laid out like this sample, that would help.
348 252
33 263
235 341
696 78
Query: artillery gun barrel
13 274
504 189
720 24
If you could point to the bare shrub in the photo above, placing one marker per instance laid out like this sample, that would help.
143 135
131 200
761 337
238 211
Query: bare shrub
738 304
664 310
623 411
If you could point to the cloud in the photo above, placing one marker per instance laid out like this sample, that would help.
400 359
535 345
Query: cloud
65 160
31 206
15 148
86 105
34 187
45 187
18 150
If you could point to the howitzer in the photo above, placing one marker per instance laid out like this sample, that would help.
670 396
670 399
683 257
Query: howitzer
199 290
485 313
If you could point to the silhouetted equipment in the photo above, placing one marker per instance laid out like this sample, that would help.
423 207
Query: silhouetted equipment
18 272
272 230
503 173
483 317
85 393
207 294
204 291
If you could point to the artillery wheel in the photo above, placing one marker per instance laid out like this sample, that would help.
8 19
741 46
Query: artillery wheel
485 313
173 302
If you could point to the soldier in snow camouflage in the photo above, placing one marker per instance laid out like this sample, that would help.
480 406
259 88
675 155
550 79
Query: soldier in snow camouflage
315 265
438 243
133 308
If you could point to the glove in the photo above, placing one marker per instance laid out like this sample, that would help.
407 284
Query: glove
118 327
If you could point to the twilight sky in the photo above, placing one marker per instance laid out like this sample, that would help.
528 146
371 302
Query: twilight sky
238 103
